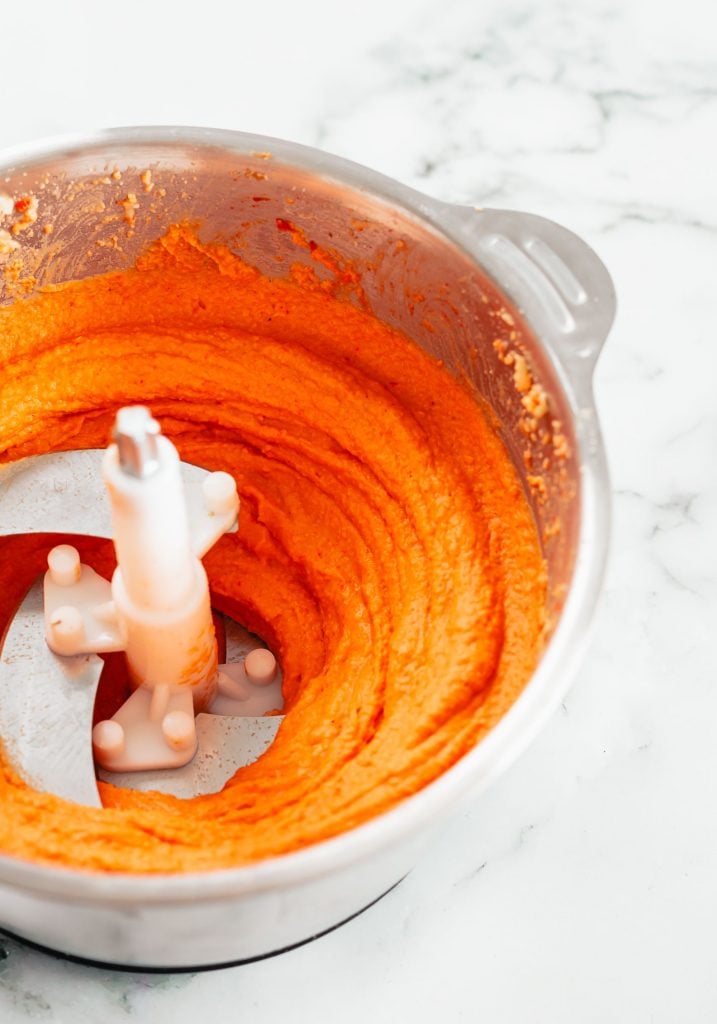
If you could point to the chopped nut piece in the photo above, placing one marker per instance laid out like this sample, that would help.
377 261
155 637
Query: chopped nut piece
26 206
537 484
130 206
561 446
521 373
535 401
552 529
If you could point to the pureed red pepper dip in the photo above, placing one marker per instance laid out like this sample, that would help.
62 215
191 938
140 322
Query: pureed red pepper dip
386 551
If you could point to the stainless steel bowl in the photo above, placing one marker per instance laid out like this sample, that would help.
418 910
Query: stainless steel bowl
453 278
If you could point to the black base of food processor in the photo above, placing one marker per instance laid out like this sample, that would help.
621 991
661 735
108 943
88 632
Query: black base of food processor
139 969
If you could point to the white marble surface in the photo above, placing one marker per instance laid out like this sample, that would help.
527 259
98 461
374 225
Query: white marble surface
582 887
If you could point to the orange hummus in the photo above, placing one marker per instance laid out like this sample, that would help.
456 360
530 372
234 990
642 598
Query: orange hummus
385 552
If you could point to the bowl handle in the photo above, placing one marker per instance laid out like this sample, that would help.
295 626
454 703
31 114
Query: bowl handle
555 279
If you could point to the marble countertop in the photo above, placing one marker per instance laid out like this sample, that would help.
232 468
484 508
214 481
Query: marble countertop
582 886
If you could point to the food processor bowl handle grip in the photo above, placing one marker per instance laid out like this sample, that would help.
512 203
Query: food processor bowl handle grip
557 281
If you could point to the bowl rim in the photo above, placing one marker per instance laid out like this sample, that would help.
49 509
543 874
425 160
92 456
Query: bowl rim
541 695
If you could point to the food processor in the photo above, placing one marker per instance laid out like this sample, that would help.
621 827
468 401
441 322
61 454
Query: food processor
495 295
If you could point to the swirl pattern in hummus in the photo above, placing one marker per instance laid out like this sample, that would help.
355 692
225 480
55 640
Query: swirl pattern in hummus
386 552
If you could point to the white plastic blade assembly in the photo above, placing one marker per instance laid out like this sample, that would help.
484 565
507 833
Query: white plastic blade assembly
189 724
46 705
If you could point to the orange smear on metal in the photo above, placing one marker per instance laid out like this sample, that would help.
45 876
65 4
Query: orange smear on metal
385 552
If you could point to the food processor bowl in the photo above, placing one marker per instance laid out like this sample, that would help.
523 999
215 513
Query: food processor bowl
478 289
